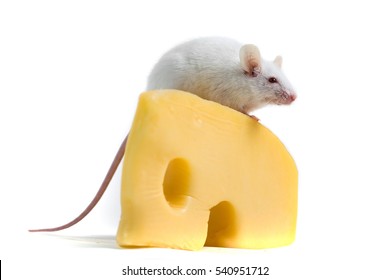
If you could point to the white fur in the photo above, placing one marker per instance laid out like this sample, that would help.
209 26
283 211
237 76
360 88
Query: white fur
211 69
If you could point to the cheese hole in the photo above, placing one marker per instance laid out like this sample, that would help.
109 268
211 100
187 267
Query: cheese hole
222 225
176 183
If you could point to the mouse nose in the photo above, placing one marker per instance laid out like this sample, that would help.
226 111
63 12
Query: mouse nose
293 96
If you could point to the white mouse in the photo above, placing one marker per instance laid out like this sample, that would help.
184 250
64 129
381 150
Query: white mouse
224 71
217 69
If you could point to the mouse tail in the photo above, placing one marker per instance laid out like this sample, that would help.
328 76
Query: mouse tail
99 194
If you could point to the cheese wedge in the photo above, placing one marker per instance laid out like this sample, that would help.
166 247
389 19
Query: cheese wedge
197 173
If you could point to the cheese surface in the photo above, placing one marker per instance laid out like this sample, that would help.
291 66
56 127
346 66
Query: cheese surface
196 173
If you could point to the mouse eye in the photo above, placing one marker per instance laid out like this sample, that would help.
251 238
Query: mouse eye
272 80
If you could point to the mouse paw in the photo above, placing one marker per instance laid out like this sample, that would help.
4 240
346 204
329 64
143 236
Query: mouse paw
254 117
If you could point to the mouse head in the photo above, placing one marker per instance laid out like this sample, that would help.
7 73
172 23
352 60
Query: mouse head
266 79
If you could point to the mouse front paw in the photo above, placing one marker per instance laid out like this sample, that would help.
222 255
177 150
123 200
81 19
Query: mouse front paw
254 117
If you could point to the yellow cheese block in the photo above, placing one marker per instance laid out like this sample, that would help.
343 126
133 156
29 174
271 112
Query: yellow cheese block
197 173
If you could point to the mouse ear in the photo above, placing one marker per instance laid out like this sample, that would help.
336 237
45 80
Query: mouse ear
250 59
278 61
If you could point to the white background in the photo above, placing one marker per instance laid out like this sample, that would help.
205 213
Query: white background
70 76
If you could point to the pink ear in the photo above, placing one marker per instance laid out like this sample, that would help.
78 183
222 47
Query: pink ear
278 61
250 59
